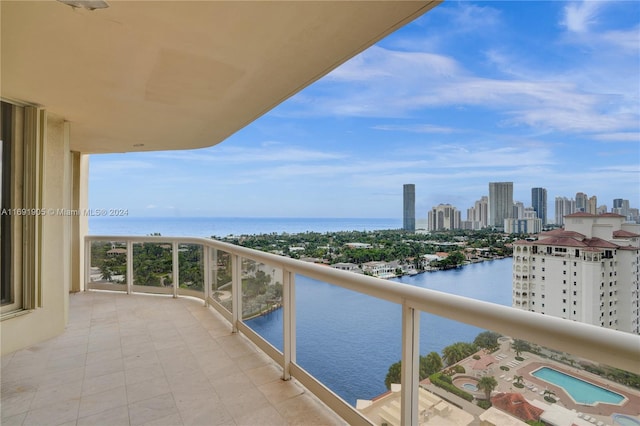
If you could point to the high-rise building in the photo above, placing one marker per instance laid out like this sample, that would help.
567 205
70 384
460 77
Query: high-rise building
500 203
564 206
523 225
586 272
539 203
409 207
621 206
518 210
592 205
478 215
581 202
443 217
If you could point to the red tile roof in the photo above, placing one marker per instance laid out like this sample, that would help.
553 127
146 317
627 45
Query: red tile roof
621 233
517 405
562 233
567 240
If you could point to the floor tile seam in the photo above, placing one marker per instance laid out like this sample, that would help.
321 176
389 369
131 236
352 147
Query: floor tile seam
302 390
28 406
104 389
57 404
41 386
88 363
50 387
104 411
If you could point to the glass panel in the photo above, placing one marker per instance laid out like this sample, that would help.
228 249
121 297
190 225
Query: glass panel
152 265
6 236
261 289
191 267
108 262
221 274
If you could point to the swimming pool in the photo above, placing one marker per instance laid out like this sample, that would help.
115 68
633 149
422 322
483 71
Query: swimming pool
470 386
581 391
621 419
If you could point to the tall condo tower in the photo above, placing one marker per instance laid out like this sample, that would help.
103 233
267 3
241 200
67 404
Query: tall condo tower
581 202
539 203
409 207
500 203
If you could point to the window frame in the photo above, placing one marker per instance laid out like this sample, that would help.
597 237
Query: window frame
23 142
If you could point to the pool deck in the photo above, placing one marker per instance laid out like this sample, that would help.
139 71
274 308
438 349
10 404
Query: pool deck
630 407
489 365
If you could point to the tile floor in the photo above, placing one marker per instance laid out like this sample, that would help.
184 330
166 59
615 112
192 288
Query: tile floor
150 360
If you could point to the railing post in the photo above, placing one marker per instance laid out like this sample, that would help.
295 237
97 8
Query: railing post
129 266
289 322
206 274
87 264
410 366
236 292
175 268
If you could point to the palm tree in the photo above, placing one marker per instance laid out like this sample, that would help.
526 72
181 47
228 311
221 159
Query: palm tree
457 352
487 384
519 346
549 395
518 381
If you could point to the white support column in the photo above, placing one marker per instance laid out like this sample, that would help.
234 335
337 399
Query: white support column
236 292
289 322
410 365
175 269
129 266
206 273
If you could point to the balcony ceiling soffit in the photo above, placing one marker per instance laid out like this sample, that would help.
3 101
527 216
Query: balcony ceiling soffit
179 75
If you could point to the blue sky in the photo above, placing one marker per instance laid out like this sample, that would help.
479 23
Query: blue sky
537 93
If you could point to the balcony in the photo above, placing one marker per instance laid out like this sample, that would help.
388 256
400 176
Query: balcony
131 358
136 359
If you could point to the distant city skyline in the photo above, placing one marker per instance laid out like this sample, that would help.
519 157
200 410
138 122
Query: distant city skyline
620 204
541 94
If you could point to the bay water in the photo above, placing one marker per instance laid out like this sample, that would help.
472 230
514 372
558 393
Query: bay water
346 339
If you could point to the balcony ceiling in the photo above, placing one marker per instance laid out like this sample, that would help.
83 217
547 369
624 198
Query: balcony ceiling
146 75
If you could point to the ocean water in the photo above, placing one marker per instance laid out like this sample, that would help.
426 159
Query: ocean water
224 226
346 339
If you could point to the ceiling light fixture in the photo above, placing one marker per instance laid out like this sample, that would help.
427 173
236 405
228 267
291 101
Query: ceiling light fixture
86 4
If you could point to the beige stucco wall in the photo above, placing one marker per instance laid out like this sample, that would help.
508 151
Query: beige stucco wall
57 257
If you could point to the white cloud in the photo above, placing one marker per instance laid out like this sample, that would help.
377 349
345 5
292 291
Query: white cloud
619 137
624 39
579 17
415 128
385 83
268 152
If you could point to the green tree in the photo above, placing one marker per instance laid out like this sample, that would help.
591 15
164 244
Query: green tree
394 374
520 346
487 384
432 363
105 270
429 364
457 352
487 340
518 381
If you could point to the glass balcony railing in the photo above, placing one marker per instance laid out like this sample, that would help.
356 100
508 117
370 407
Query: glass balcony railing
243 284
